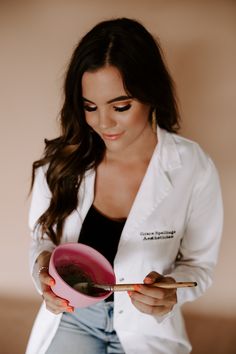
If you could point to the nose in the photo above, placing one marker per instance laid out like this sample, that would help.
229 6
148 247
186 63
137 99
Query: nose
106 121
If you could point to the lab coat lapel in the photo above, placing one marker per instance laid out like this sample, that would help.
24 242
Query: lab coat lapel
156 184
86 193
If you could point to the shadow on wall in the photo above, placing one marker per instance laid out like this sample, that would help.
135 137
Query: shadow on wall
207 334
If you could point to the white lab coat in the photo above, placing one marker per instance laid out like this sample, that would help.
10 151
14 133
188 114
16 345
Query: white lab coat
174 228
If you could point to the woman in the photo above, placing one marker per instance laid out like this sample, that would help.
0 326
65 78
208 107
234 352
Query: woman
121 180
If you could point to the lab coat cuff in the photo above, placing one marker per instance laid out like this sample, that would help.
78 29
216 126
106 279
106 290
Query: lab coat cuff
34 267
164 318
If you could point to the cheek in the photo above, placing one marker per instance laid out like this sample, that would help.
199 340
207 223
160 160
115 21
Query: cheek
138 119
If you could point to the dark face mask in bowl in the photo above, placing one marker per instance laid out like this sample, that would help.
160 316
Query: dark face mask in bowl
73 263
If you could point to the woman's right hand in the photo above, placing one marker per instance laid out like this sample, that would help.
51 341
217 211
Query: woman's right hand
53 303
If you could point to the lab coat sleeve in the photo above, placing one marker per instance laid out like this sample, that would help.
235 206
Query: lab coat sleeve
200 244
40 201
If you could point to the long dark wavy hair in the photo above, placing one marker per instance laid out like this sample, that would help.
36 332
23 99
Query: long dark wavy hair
127 45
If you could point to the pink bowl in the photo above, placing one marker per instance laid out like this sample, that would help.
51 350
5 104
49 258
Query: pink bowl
94 264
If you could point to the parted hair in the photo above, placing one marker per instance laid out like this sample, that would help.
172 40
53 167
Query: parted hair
125 44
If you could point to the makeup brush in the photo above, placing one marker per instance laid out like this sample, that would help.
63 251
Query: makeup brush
86 286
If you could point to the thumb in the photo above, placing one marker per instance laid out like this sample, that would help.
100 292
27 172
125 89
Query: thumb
152 277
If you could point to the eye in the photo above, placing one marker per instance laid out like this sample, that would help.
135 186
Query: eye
90 109
122 109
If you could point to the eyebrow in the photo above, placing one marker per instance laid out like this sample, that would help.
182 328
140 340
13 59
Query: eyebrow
116 99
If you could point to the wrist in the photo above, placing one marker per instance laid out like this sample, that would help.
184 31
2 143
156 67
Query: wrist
42 269
43 259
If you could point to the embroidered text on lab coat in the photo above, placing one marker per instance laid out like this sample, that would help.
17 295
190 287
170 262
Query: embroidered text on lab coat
157 235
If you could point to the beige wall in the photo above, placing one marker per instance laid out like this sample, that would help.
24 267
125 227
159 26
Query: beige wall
36 41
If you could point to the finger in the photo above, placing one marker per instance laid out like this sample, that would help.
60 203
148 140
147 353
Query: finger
57 310
152 277
168 280
151 310
152 291
157 292
54 303
153 301
50 297
45 278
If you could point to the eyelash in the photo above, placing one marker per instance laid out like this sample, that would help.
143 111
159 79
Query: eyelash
90 109
117 109
122 109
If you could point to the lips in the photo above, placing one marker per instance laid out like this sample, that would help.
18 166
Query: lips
111 136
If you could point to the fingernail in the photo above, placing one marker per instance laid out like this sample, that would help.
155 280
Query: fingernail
136 287
69 309
64 303
129 293
52 282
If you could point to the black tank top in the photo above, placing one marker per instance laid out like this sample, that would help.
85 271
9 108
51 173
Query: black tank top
102 233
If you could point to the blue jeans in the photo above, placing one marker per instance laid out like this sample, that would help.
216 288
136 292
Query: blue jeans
87 331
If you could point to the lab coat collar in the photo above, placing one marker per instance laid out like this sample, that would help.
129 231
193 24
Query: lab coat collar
167 150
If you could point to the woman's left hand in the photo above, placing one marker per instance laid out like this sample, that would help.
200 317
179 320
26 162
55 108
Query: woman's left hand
153 300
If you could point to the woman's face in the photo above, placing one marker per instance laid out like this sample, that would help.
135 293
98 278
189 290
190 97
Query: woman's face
120 120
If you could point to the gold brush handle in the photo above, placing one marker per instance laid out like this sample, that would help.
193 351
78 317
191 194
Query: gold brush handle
133 287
